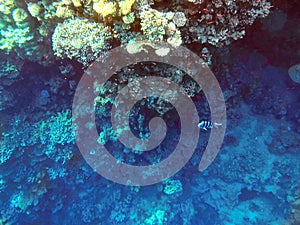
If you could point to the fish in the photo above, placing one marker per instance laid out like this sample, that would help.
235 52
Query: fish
205 124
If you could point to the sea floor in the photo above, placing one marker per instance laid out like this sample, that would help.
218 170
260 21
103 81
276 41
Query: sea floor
253 180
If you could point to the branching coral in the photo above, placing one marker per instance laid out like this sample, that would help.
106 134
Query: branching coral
220 22
81 28
9 71
55 133
80 39
16 30
156 25
54 136
114 8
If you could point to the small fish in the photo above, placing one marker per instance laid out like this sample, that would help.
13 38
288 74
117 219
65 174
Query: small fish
204 124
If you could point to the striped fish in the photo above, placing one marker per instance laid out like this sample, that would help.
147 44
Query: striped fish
205 125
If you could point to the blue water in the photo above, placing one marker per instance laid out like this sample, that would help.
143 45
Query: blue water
254 179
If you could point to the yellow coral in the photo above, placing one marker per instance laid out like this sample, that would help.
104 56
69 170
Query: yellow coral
128 19
6 6
44 30
19 15
125 6
63 12
34 9
77 3
104 8
80 39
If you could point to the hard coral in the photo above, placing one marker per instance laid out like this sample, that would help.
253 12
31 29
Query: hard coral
114 8
80 39
157 25
79 31
16 30
125 6
104 8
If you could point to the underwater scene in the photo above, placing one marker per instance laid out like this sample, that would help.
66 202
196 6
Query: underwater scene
150 112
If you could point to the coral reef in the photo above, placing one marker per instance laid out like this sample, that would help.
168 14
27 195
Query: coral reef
16 30
29 28
156 25
54 135
10 70
80 39
284 142
172 186
44 179
18 35
295 212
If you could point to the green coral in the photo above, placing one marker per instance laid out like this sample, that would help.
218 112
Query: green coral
56 133
16 30
5 154
9 70
15 138
19 15
53 137
80 39
14 37
128 19
18 34
107 134
34 9
153 23
172 186
6 6
157 218
20 201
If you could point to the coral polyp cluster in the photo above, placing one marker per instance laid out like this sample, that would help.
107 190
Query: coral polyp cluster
51 28
88 39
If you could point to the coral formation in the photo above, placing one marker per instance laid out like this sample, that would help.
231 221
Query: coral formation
31 25
156 25
16 29
294 73
172 186
254 175
55 134
80 39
